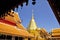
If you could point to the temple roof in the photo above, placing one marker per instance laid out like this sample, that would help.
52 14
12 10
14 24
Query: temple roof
7 5
13 28
55 5
13 31
56 32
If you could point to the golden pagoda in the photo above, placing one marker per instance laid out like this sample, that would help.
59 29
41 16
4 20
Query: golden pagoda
39 33
10 26
32 25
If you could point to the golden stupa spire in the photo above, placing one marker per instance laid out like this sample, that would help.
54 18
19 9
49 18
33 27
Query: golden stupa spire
32 24
32 14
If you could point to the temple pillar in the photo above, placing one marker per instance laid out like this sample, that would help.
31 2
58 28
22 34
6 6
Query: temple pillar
25 39
13 38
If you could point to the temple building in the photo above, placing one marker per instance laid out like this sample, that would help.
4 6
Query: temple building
55 34
12 29
39 33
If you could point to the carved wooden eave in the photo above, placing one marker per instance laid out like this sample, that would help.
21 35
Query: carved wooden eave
55 5
7 5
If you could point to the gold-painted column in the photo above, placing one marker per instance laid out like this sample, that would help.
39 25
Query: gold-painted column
13 38
25 39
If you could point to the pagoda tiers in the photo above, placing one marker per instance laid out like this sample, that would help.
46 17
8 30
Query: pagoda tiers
11 27
39 33
55 34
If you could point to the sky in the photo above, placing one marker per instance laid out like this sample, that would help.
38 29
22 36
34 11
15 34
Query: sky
43 15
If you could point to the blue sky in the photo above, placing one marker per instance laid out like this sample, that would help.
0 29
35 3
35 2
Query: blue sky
43 15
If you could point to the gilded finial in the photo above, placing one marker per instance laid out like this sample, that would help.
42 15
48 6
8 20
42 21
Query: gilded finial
32 13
